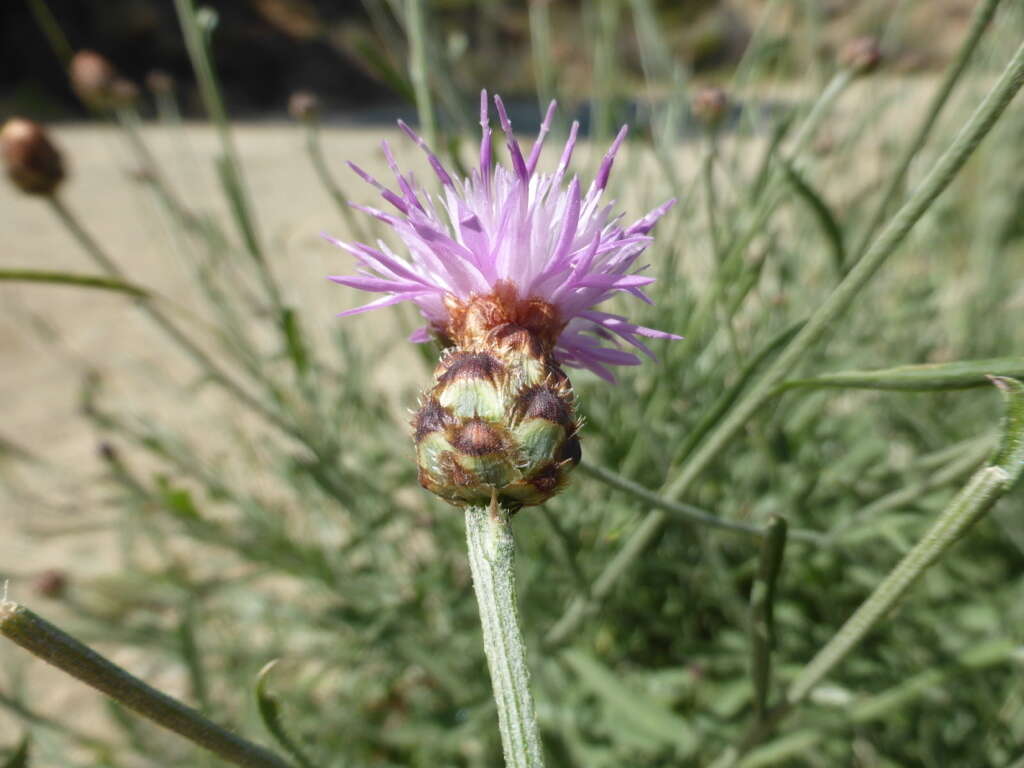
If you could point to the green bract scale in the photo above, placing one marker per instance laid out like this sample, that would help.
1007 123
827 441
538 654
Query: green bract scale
500 415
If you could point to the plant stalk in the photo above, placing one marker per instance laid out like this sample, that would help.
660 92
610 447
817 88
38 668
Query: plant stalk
492 560
52 645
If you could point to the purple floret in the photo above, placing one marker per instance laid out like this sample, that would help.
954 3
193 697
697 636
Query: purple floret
512 225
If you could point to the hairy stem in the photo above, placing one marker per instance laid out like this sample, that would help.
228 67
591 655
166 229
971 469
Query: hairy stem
55 647
491 559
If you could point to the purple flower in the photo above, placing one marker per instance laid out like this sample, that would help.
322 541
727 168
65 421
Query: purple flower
512 243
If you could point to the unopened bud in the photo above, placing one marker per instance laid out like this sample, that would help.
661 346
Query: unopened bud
710 106
52 584
33 162
304 106
92 78
861 55
160 82
123 92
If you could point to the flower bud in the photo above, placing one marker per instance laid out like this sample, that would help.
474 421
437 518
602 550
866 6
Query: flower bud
159 82
33 162
861 55
500 416
52 583
92 79
304 106
123 92
710 106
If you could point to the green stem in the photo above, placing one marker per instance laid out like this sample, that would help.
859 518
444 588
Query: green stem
679 509
982 16
66 278
49 643
940 177
230 167
491 559
316 156
54 34
205 363
416 29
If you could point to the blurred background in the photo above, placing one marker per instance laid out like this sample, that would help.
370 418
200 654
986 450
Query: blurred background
349 53
219 474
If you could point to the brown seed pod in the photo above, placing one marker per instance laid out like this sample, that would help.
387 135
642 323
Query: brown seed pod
92 79
861 55
304 106
33 163
710 106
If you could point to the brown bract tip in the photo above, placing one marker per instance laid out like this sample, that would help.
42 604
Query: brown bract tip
92 78
472 320
33 162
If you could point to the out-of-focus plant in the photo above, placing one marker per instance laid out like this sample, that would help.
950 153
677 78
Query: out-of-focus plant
775 551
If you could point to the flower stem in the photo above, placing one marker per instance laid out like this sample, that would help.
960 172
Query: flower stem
416 30
54 646
982 16
491 559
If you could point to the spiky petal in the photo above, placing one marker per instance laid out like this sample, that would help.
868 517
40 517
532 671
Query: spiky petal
512 226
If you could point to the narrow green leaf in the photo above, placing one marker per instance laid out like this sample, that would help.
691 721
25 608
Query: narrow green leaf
177 500
822 213
374 59
712 415
917 378
19 758
270 713
1010 456
631 709
67 278
762 610
293 339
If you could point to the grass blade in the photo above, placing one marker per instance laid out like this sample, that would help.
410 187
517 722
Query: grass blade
822 214
68 278
929 377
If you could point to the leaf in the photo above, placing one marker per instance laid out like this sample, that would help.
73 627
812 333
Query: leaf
917 378
293 338
68 278
1010 456
629 708
377 62
822 212
177 500
270 713
19 758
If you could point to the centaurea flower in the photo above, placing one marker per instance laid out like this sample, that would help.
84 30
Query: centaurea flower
507 268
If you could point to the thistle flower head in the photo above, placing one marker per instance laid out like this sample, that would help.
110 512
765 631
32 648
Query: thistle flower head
511 245
507 267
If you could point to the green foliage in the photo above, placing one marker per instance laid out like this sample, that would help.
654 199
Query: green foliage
310 542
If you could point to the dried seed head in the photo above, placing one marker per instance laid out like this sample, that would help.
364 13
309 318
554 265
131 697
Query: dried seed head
33 162
861 55
159 82
710 106
304 106
92 79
